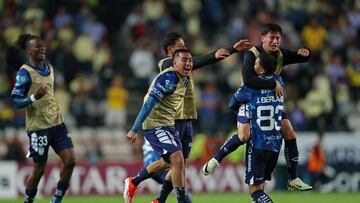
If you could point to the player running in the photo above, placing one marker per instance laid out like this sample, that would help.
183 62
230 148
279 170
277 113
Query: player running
34 91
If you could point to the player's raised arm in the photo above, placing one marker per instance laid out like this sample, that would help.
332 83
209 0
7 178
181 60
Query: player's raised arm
300 56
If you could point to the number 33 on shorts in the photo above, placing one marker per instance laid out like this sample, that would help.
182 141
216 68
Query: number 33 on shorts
38 143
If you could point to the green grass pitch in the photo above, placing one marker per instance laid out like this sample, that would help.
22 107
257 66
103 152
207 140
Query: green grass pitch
278 197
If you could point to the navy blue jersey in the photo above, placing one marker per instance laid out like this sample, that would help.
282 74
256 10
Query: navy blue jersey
265 114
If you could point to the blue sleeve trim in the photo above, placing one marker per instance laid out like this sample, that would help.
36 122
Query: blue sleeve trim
144 112
22 84
21 102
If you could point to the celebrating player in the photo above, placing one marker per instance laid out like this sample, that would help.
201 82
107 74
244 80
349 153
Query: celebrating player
263 111
271 38
34 90
185 114
157 117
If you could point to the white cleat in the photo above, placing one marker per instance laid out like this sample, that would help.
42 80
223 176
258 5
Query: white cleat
210 166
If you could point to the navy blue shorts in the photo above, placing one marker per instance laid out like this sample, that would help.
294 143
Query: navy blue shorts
243 116
185 129
57 137
259 165
164 140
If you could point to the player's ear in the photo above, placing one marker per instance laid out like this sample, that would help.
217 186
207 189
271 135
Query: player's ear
262 71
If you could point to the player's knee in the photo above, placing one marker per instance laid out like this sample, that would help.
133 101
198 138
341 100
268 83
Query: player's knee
39 169
70 163
244 137
289 134
177 160
244 132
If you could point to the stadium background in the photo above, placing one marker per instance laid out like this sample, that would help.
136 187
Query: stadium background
106 52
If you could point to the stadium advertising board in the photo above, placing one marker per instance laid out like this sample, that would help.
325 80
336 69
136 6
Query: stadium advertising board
107 179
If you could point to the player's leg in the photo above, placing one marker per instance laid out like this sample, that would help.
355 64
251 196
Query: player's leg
149 171
186 137
33 181
292 156
232 143
166 189
38 151
64 147
177 167
258 195
185 130
165 147
258 165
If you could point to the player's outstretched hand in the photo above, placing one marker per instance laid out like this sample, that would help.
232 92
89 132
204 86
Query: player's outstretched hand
131 137
303 52
242 44
222 53
39 92
278 89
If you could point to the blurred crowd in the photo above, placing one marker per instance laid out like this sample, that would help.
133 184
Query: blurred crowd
105 53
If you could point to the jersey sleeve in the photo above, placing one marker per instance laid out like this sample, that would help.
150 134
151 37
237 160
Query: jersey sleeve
291 57
165 84
243 94
22 84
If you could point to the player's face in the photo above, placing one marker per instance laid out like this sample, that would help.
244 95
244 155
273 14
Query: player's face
37 50
179 44
258 68
183 64
271 41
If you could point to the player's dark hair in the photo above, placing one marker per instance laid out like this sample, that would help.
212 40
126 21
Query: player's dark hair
271 27
178 51
24 39
268 63
170 40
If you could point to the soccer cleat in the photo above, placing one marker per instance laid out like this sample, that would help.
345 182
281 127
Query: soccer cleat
155 201
210 166
55 200
129 190
298 184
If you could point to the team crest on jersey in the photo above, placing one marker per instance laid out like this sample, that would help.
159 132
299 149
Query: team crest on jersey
20 79
169 85
185 82
41 150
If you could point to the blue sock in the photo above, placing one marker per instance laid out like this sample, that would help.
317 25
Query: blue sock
166 189
141 176
30 195
188 197
292 157
231 144
259 196
61 189
180 194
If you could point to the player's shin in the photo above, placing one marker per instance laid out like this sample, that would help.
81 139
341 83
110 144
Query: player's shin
231 144
292 157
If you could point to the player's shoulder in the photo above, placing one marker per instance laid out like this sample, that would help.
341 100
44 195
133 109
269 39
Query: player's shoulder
169 75
165 63
22 73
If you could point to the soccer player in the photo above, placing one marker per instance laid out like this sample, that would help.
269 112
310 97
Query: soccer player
271 38
34 91
157 117
263 111
185 114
